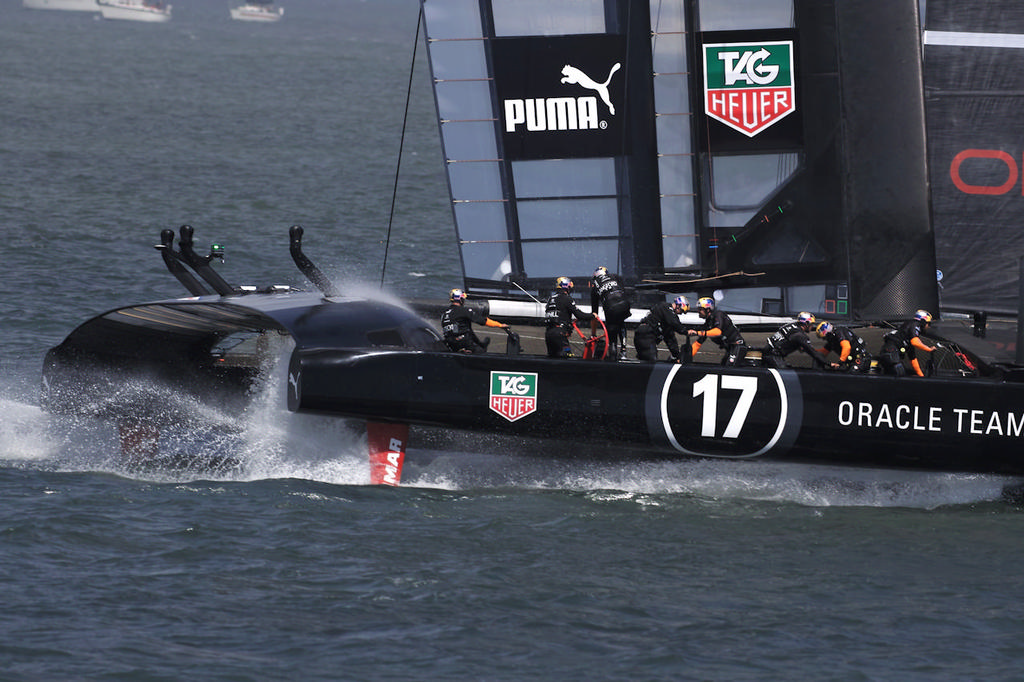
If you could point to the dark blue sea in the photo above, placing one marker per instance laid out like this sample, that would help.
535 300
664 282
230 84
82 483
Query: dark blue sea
483 566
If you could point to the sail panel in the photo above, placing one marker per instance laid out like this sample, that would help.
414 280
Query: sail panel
469 140
716 15
564 177
779 147
980 16
974 95
547 17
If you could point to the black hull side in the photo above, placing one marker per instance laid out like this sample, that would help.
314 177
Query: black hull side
669 411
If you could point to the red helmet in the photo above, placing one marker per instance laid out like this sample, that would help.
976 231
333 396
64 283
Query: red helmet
805 319
564 283
681 302
456 295
923 316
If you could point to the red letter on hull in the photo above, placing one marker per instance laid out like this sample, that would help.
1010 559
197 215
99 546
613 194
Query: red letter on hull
387 451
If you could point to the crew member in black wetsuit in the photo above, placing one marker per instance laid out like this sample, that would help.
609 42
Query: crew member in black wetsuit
558 314
853 353
905 341
791 337
457 325
606 288
662 323
720 329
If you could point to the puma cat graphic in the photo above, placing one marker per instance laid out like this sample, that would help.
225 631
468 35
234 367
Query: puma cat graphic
574 76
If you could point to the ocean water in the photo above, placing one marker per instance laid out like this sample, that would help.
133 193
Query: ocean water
284 563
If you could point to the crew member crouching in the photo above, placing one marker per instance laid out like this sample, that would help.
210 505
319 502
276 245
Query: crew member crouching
853 353
791 337
906 341
662 323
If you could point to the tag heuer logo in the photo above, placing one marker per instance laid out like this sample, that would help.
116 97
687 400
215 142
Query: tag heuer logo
749 86
513 394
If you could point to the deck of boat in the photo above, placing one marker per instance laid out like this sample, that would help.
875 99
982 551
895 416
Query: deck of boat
997 346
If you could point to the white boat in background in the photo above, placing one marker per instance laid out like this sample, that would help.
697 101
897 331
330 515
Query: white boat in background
257 11
134 10
68 5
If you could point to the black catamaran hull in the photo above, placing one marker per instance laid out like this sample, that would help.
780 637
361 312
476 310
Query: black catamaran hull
667 410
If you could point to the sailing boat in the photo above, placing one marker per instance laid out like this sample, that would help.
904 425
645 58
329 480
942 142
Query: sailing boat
257 10
66 5
773 154
135 10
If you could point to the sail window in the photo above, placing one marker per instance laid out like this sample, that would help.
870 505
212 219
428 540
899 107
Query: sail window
747 181
671 92
732 15
673 128
474 181
568 218
741 184
486 261
458 59
463 100
564 177
668 42
549 259
469 140
481 221
453 18
679 234
547 17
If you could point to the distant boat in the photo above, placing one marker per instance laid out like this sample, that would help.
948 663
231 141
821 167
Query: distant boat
257 11
134 10
72 5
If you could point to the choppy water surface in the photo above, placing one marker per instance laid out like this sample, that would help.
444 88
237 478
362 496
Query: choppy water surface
282 563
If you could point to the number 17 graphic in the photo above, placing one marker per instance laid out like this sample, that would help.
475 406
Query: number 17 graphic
708 387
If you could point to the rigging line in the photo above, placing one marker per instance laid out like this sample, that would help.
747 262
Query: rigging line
703 279
401 145
526 292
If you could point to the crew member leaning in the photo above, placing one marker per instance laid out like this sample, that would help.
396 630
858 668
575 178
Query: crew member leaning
457 325
662 323
906 341
851 349
789 338
719 328
558 314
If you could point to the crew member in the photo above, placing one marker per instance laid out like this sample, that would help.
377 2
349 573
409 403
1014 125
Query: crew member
719 328
456 323
558 314
662 323
606 288
791 337
853 353
906 341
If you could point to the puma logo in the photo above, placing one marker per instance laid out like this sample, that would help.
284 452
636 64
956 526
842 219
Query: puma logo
574 76
294 381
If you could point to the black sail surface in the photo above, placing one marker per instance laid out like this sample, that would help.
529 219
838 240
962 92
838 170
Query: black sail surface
773 151
974 88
